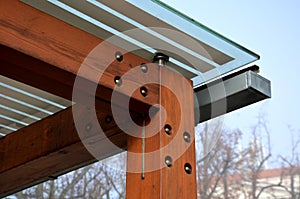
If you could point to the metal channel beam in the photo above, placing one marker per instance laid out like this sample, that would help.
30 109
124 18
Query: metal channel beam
241 89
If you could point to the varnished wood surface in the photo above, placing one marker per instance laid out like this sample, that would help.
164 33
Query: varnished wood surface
52 146
63 47
176 96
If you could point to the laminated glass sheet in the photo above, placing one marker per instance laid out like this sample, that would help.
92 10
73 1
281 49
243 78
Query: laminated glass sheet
22 105
148 26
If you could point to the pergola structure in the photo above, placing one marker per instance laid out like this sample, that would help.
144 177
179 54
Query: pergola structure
46 53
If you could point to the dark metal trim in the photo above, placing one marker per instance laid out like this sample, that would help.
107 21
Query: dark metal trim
240 89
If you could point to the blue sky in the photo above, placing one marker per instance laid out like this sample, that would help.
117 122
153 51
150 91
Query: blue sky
272 30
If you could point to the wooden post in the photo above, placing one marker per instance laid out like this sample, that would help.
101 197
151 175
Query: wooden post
167 168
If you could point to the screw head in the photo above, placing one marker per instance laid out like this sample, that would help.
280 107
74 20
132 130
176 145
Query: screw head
88 127
168 129
188 168
108 119
187 137
119 56
144 91
118 81
168 161
144 68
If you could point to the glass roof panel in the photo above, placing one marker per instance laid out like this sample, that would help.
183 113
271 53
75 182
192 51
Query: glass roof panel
22 105
196 51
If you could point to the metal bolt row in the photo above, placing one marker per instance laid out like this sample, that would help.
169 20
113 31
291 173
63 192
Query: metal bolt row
118 81
187 139
161 59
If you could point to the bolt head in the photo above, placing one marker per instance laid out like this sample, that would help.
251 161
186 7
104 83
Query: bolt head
119 56
108 119
144 91
118 81
160 56
187 137
188 168
168 161
168 129
144 68
88 127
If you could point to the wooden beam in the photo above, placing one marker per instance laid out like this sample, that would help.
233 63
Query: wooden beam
52 146
62 49
44 76
43 161
175 148
36 73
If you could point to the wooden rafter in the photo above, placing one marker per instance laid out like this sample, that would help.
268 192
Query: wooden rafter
38 152
61 46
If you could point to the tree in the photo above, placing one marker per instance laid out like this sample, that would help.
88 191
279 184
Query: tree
227 171
221 160
255 159
93 181
292 165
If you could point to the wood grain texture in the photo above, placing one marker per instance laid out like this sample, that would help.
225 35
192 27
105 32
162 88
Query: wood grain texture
176 96
52 146
44 52
64 47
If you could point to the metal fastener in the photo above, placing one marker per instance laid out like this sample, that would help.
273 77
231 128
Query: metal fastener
88 127
168 129
108 119
188 168
144 91
187 137
168 161
144 68
160 58
119 56
118 81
